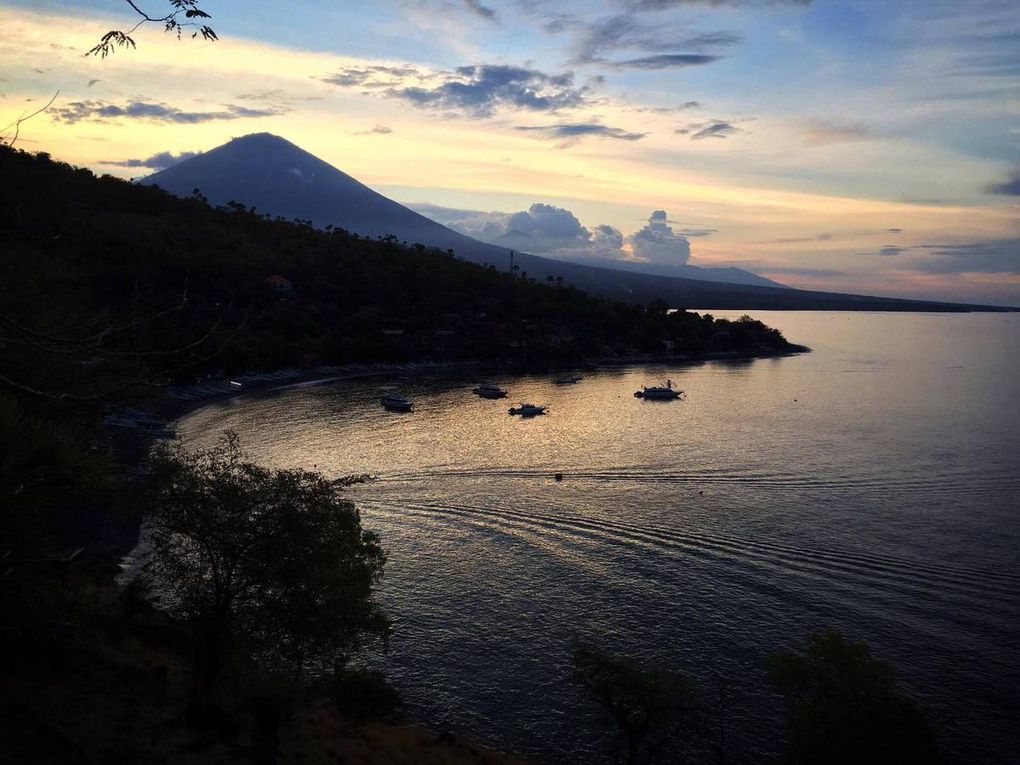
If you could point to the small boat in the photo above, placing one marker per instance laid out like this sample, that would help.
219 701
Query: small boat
660 392
567 380
488 390
397 403
528 410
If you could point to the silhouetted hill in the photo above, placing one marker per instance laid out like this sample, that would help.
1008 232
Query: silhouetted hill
80 252
274 176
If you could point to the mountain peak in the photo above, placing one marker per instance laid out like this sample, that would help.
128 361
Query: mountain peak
268 139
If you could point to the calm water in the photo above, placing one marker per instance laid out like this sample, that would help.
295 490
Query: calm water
872 485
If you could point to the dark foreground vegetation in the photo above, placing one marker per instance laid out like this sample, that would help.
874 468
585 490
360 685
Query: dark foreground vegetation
843 708
248 633
78 249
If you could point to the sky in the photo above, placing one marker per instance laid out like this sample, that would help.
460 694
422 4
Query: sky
848 145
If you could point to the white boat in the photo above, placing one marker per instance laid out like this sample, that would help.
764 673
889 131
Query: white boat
567 380
528 410
488 390
397 403
660 392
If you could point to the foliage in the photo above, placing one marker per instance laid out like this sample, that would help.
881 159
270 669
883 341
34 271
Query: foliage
181 17
653 709
271 563
844 707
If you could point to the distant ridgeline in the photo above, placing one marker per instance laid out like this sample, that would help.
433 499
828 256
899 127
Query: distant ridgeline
274 176
227 289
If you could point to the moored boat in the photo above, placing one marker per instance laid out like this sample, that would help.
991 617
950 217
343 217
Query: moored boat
397 403
567 380
528 410
488 390
660 392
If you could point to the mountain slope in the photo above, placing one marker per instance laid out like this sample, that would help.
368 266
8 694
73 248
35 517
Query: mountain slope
274 176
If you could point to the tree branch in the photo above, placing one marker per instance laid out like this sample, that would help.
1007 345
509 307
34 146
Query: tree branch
17 123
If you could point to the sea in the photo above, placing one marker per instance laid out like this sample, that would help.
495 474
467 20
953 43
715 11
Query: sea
870 486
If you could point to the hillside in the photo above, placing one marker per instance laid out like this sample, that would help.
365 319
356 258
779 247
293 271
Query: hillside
274 176
228 290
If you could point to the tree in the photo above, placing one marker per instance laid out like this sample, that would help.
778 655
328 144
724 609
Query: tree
273 564
844 707
652 709
181 17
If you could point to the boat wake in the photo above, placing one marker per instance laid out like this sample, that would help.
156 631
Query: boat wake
900 574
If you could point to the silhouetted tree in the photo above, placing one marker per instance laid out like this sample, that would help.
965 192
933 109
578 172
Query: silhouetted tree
653 709
180 17
273 563
844 707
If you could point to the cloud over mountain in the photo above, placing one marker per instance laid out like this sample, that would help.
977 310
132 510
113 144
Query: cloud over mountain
159 161
549 230
658 243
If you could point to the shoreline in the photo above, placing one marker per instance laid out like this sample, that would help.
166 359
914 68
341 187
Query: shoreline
131 431
174 403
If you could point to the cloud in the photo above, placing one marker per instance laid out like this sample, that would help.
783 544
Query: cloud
658 243
891 251
570 133
830 237
477 91
823 237
607 242
483 11
685 106
796 271
993 256
664 5
666 61
821 132
699 131
544 228
372 76
596 40
1008 187
160 161
377 130
541 229
555 231
151 111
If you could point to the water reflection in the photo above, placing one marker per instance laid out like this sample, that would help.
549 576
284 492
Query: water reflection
870 485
